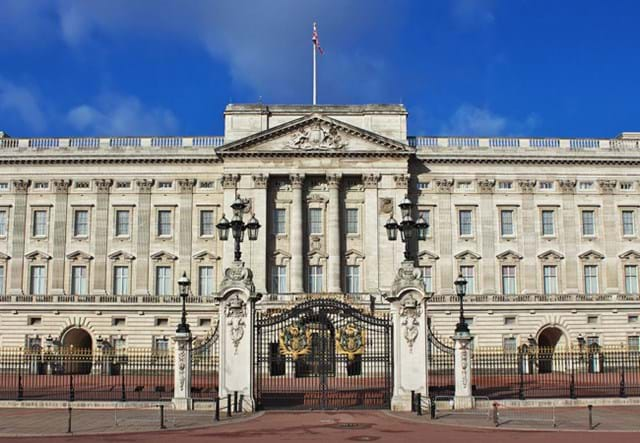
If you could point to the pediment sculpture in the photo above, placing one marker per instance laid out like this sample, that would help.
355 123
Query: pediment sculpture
320 136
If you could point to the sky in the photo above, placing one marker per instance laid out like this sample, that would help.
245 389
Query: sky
565 68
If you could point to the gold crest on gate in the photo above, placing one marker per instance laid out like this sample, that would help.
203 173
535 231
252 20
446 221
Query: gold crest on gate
350 340
295 341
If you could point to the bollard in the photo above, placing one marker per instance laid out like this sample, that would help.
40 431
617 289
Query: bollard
413 401
590 407
494 414
69 421
162 426
432 408
72 391
240 403
235 401
228 405
217 417
418 404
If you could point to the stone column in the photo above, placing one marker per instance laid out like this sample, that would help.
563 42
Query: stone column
61 188
568 188
229 184
237 298
144 235
259 246
333 234
371 232
297 232
487 236
409 316
102 235
185 240
20 188
182 372
444 236
463 398
530 259
609 214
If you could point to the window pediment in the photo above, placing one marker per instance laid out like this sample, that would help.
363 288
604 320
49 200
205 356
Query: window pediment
280 257
509 255
79 256
4 257
163 256
353 257
205 256
550 255
37 255
317 258
591 255
121 256
630 255
467 255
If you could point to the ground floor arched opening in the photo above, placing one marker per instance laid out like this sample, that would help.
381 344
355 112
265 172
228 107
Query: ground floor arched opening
77 351
550 339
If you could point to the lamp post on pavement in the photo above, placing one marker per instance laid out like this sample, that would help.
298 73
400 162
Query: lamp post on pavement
184 284
461 290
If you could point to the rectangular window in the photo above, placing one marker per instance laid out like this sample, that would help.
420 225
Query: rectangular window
546 185
427 278
591 279
2 274
509 280
468 273
165 185
164 223
206 223
628 223
593 340
161 344
626 186
315 221
633 341
631 279
550 279
315 279
352 221
506 222
353 279
81 223
205 280
592 319
588 223
122 223
279 279
505 185
464 219
509 344
121 280
119 343
3 223
40 223
548 224
78 280
280 221
585 186
424 185
164 283
38 280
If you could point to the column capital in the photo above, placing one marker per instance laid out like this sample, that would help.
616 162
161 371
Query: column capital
260 181
333 180
567 186
297 180
61 185
607 186
527 186
145 184
401 180
444 184
103 184
21 185
486 185
370 181
186 184
230 181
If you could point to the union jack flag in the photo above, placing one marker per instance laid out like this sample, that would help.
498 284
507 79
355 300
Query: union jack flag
315 39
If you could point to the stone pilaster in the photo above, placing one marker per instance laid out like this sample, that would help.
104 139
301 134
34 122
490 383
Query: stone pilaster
444 235
185 239
182 372
258 256
568 188
487 235
610 215
529 265
371 232
297 230
20 188
61 188
101 236
144 236
333 233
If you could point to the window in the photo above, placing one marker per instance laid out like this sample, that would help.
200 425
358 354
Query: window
41 185
509 280
123 185
546 185
505 185
469 275
207 185
585 186
120 280
38 280
315 221
2 274
279 221
4 186
34 321
550 279
118 321
506 222
509 321
315 279
592 319
424 185
427 278
162 322
509 344
588 223
279 279
464 220
3 223
426 215
632 319
548 225
628 222
165 185
205 280
164 284
633 341
631 279
593 340
164 223
34 343
464 186
626 186
40 223
206 223
122 223
119 343
591 279
204 322
352 221
81 223
353 279
81 185
161 344
78 280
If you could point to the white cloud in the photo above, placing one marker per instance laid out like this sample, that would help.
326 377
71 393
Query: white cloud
119 115
475 121
23 102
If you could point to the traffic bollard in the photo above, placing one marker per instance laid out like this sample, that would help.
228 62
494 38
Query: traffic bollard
69 421
162 426
590 407
217 409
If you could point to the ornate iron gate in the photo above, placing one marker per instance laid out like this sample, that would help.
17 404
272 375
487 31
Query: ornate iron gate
323 354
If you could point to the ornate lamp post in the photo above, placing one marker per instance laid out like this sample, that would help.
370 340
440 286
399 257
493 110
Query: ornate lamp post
408 227
238 226
461 290
184 283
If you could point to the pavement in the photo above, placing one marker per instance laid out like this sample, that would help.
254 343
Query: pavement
528 426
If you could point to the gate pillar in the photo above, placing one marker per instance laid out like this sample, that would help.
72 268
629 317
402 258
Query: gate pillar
236 312
463 398
408 311
182 372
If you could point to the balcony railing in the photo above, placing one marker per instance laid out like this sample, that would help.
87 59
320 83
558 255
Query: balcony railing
106 298
111 143
523 143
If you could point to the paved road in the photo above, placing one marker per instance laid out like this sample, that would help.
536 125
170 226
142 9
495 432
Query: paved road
361 426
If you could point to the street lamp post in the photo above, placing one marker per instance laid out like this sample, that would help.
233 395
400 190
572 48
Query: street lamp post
238 226
408 227
184 283
461 290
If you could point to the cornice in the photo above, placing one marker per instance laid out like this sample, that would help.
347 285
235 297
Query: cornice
448 159
105 160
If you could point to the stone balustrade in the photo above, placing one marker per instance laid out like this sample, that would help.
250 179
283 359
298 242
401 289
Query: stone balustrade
508 143
93 299
95 143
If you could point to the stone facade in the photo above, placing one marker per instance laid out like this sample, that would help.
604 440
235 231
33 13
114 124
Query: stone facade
94 232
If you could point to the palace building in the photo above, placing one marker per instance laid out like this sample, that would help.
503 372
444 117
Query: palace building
96 231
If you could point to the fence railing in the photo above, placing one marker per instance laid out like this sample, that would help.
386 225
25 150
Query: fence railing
205 365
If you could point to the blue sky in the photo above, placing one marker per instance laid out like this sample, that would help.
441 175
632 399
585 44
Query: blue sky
482 67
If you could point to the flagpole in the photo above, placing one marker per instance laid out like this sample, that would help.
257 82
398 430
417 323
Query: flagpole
315 91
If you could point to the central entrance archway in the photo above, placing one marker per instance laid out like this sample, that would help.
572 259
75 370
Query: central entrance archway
323 354
549 339
77 350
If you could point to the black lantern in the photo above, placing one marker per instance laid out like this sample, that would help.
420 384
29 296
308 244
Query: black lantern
223 228
253 225
408 227
421 227
184 283
392 228
238 226
49 342
461 290
405 206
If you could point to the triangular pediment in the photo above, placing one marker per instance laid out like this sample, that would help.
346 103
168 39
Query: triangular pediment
315 134
591 255
509 255
163 255
4 256
281 253
121 255
427 255
631 254
467 255
550 255
37 255
205 255
79 255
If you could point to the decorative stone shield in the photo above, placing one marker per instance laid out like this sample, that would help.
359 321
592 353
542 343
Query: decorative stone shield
350 340
295 341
